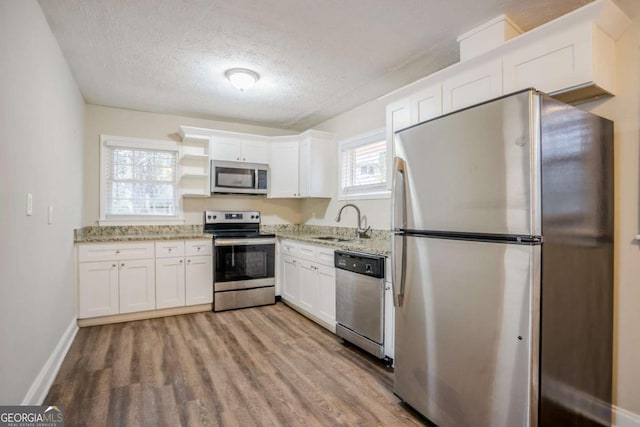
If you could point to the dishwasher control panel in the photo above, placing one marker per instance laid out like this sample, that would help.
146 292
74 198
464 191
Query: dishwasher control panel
361 263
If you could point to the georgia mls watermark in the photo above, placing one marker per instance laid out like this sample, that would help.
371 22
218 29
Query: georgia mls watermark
31 416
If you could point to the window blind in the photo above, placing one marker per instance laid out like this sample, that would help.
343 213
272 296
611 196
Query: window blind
364 167
141 182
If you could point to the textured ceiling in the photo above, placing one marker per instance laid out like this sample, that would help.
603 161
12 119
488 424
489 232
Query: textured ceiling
316 58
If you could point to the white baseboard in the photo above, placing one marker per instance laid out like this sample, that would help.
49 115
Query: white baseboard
40 386
624 418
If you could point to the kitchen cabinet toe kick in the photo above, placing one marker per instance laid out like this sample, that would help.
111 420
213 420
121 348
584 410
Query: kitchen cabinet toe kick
140 315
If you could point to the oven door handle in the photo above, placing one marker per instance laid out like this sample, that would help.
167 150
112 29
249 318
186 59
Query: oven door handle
244 242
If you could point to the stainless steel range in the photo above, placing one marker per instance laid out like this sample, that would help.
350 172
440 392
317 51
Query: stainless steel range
243 258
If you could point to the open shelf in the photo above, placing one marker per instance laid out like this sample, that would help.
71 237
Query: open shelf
194 164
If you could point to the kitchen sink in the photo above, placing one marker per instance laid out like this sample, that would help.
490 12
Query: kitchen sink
334 239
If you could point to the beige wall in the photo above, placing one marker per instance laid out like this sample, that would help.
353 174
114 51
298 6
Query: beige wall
120 122
41 125
624 110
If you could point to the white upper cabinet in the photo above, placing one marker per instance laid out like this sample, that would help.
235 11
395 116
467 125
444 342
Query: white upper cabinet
474 85
312 174
226 149
303 165
571 58
398 116
422 105
318 164
239 149
426 104
283 167
574 63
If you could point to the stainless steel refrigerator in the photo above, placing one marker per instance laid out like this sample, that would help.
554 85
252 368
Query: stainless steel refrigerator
503 265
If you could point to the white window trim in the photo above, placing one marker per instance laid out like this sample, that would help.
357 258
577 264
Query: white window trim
377 192
130 142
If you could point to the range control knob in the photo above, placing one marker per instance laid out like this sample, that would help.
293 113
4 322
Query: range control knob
214 217
257 216
208 216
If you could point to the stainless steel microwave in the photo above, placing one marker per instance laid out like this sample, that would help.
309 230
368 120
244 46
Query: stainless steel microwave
239 177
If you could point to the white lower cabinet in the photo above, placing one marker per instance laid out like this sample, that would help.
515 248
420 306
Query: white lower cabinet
113 287
115 278
290 279
98 293
199 280
308 285
389 320
326 308
120 278
184 280
137 285
170 282
389 311
309 281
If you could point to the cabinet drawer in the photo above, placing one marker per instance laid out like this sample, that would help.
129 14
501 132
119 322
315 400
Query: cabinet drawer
325 256
170 249
289 247
198 247
115 251
307 251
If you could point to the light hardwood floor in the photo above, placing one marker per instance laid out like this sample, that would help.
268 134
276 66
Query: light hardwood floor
266 366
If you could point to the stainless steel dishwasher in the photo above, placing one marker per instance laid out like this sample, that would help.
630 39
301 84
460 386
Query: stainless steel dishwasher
360 300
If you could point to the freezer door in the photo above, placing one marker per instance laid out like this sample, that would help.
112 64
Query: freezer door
466 335
476 170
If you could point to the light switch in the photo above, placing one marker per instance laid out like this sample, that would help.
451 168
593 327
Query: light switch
29 204
50 218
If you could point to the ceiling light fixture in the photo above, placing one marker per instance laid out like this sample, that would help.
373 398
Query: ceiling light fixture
241 78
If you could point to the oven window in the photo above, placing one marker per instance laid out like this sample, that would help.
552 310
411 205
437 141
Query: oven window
244 262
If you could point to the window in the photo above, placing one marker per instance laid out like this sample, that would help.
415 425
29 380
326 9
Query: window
139 181
364 166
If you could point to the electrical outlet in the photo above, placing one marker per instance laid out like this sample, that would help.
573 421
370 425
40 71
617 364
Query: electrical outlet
50 217
29 204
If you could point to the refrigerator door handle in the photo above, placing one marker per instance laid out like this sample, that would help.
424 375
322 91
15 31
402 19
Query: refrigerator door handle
398 219
398 222
398 267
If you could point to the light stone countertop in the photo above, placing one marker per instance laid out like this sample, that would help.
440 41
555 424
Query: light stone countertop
379 243
139 237
378 246
137 233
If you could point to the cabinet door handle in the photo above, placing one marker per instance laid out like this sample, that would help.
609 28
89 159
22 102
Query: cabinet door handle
170 249
188 261
117 252
181 261
198 248
113 265
122 265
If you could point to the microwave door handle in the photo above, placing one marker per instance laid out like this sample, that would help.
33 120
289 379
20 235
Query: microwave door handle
255 178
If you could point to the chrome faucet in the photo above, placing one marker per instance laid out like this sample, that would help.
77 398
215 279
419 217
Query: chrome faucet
361 232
